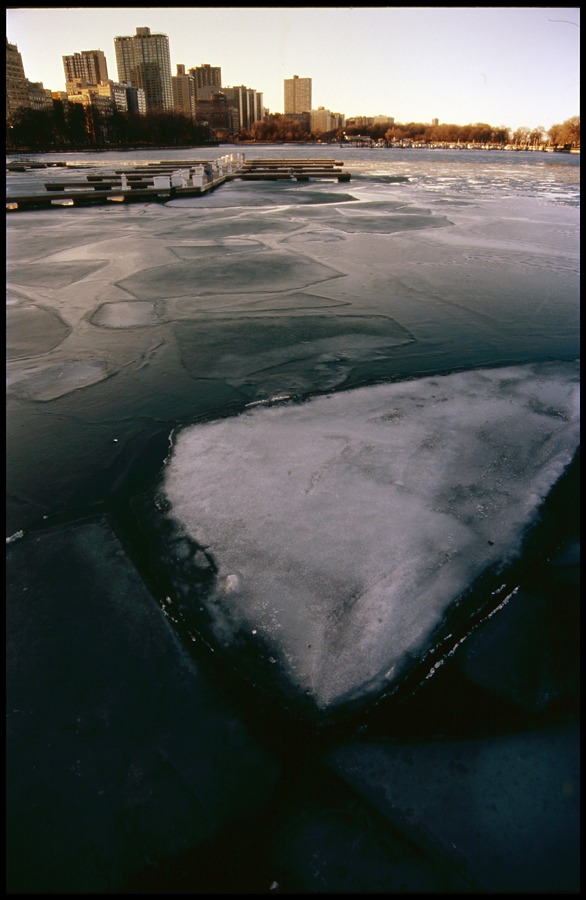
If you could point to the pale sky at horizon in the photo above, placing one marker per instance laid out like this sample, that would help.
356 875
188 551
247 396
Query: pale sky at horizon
504 66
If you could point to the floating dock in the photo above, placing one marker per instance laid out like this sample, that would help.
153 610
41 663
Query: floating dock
162 181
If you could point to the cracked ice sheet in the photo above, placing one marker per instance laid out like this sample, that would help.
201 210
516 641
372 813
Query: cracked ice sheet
344 528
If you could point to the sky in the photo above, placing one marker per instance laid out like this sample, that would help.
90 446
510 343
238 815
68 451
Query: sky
504 66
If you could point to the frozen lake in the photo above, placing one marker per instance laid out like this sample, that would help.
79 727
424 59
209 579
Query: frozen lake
332 360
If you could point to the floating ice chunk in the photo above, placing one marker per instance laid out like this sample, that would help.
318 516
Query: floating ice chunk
354 520
126 314
238 272
32 330
46 382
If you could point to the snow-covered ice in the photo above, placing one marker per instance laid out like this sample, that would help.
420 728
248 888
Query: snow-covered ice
343 528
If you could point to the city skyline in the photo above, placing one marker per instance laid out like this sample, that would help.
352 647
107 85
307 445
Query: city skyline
504 66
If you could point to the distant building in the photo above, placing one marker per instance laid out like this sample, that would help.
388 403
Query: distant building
303 118
208 81
144 61
297 95
87 82
89 64
17 96
361 121
383 120
435 122
184 94
116 93
248 104
136 99
106 96
89 95
37 96
324 120
217 114
321 119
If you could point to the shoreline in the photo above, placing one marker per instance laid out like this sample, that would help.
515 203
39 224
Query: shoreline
216 144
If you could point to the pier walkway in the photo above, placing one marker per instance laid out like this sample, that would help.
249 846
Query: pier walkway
161 181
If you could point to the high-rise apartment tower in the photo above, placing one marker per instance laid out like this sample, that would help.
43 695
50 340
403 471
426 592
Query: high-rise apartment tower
184 95
144 61
248 102
89 64
208 80
16 83
297 95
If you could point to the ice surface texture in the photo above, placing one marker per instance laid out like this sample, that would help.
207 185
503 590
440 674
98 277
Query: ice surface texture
46 382
266 355
32 330
123 318
241 272
52 275
343 528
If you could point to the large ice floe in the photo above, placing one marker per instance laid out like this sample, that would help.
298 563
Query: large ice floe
344 528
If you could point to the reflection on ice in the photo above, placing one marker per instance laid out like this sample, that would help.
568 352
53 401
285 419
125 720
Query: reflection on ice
345 527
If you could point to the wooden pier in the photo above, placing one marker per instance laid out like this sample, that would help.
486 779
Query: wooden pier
162 181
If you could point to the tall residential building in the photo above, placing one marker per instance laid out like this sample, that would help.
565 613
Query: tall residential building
144 61
247 102
89 64
16 84
184 95
297 95
208 80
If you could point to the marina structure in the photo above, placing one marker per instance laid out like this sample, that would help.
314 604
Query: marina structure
162 181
